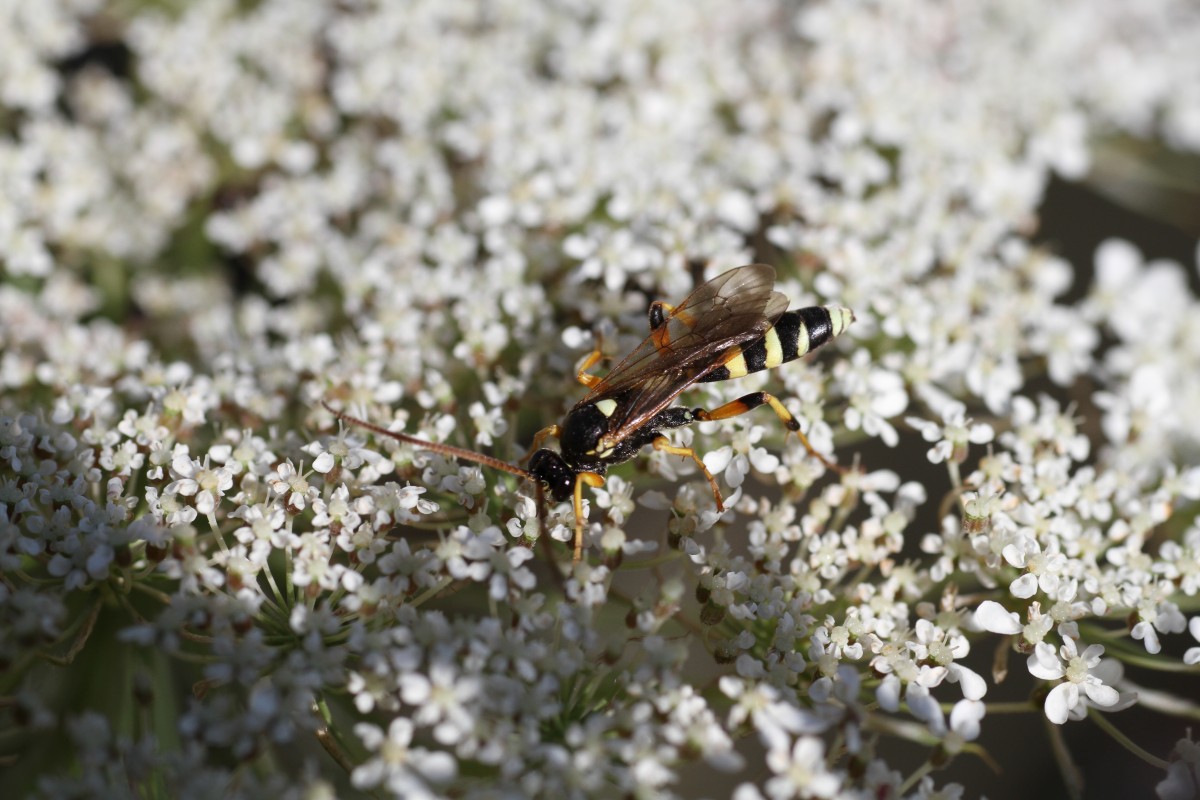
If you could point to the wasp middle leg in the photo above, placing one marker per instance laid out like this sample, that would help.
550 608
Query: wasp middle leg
663 444
750 402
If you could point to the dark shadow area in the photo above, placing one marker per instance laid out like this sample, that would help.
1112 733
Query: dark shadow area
1074 219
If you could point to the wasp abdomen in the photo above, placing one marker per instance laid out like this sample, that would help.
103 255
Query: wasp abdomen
794 334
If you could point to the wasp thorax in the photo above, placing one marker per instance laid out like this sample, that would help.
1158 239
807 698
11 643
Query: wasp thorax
581 433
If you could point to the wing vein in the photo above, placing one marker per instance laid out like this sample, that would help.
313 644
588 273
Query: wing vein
730 311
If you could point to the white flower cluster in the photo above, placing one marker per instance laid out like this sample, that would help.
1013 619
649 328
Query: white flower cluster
425 213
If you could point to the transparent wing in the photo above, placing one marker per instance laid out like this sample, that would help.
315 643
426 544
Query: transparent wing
733 309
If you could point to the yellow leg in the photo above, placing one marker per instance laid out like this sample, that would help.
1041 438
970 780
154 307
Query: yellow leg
661 443
538 439
752 401
591 380
593 480
661 337
660 314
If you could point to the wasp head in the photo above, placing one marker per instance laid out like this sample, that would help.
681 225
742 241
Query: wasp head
549 468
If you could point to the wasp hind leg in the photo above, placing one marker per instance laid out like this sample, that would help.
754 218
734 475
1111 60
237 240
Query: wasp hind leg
663 444
660 314
752 401
593 480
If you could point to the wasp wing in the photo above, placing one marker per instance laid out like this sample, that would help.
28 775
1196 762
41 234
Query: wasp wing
703 332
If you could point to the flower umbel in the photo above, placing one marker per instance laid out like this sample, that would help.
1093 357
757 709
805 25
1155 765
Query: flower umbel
218 219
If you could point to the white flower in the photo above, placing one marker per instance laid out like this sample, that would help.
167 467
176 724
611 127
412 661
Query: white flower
1192 656
876 395
489 423
801 771
396 503
444 699
338 511
991 616
1153 617
1079 686
616 496
611 254
1183 772
953 435
994 378
194 478
430 208
942 647
1068 341
468 482
340 449
1042 570
508 574
735 460
404 770
261 533
965 718
775 719
291 487
525 523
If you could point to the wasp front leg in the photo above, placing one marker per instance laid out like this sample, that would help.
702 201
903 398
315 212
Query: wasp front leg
539 438
593 480
663 444
752 401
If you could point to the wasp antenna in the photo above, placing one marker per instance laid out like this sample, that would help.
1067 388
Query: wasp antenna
444 449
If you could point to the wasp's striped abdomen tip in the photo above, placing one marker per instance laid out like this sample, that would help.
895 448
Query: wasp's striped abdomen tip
840 318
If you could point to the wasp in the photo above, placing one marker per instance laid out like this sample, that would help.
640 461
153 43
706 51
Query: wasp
731 326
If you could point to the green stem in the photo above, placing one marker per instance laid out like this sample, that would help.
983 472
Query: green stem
1103 723
1072 777
431 592
955 476
1120 650
287 571
329 740
912 780
216 529
1014 707
158 595
84 625
653 562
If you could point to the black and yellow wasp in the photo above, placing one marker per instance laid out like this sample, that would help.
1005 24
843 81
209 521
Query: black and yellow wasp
730 326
